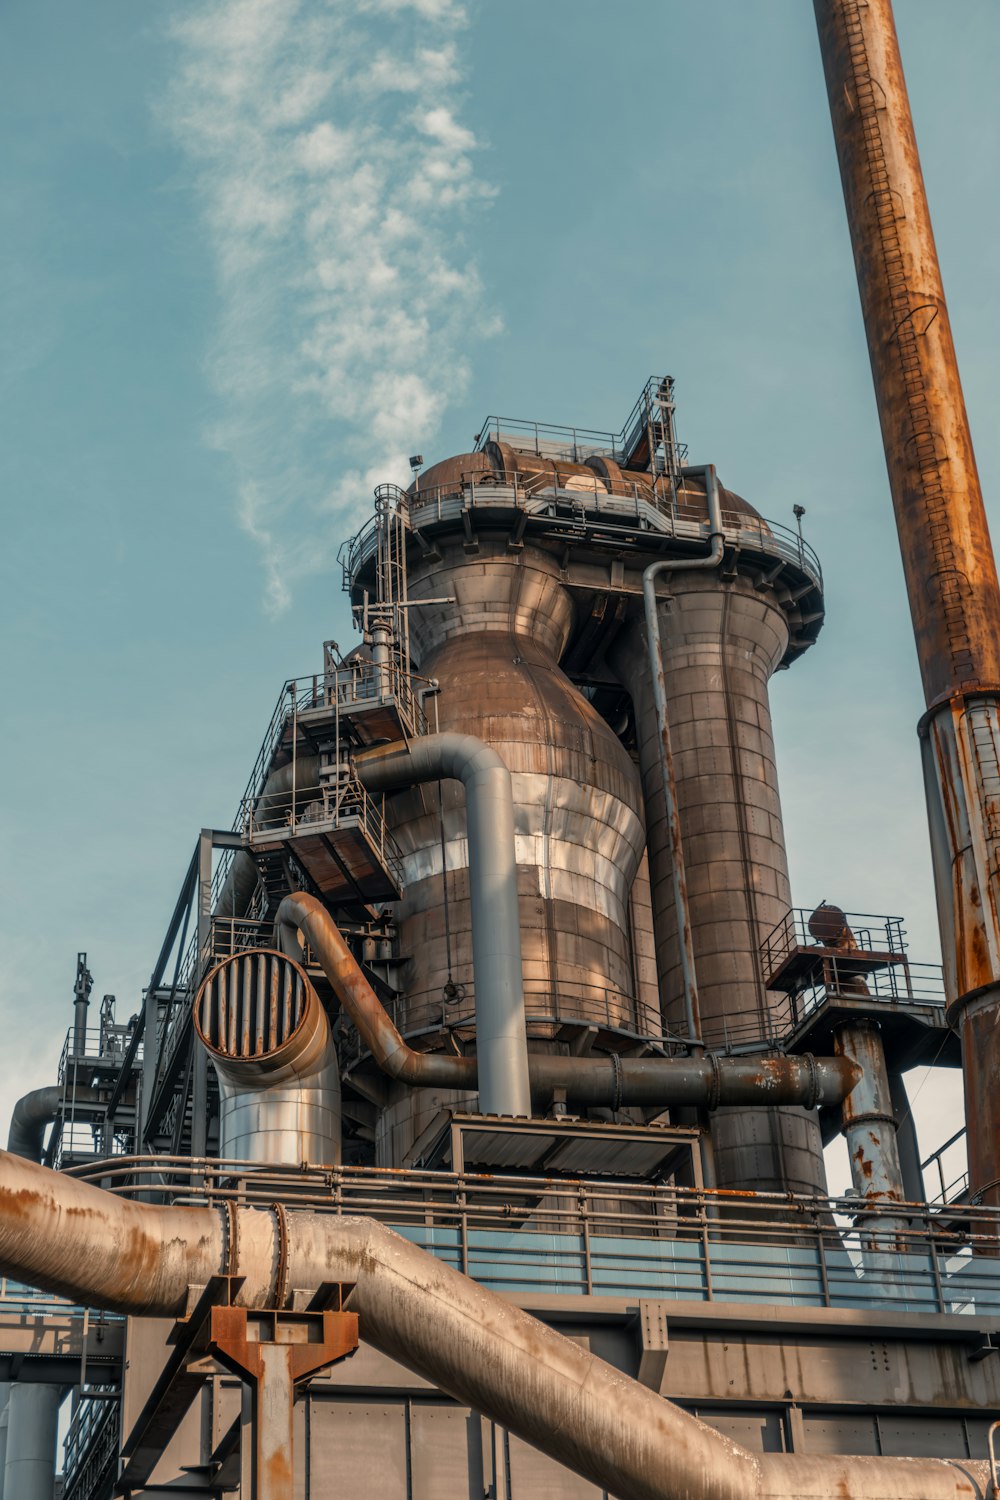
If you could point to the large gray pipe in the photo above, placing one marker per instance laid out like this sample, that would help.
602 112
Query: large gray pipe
612 1081
32 1426
34 1112
501 1035
78 1241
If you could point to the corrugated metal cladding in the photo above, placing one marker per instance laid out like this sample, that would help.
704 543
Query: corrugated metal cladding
406 1448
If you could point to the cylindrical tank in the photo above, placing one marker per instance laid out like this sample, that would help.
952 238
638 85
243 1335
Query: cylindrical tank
32 1423
722 639
494 650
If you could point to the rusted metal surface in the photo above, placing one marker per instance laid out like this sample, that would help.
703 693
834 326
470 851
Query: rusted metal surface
950 571
948 560
468 1341
616 1081
262 1023
272 1356
868 1117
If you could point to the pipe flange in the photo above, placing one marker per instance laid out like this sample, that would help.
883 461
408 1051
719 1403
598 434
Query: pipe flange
714 1083
616 1068
281 1271
872 1117
812 1098
232 1237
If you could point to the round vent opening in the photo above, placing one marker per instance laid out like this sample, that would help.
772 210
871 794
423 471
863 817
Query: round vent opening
251 1004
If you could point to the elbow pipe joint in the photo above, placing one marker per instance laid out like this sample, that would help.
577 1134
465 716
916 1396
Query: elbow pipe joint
33 1113
609 1081
501 1033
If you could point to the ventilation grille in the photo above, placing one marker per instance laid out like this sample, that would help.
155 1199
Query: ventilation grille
251 1004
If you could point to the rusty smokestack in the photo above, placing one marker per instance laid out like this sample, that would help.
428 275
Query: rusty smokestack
948 561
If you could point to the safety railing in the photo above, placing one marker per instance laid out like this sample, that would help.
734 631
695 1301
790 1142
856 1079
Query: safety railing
90 1448
622 505
337 804
613 1238
577 444
589 1005
947 1168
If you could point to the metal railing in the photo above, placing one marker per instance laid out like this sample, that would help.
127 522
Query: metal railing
907 983
340 803
950 1168
524 1235
871 934
589 1005
618 507
577 444
90 1448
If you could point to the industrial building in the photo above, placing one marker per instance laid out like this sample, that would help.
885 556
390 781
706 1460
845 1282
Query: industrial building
469 1138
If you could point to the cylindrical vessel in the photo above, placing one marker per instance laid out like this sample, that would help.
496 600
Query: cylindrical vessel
268 1036
32 1423
494 648
722 639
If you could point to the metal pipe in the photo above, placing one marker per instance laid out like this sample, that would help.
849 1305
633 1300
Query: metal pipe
34 1112
712 559
869 1124
78 1241
32 1424
81 1004
260 1020
613 1081
948 561
501 1035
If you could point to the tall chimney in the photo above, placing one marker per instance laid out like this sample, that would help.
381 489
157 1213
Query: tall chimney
951 576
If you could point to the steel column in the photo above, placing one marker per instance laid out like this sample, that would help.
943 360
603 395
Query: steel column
272 1354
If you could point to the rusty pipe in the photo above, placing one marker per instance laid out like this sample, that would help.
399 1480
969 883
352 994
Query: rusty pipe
501 1034
948 562
654 641
78 1241
613 1081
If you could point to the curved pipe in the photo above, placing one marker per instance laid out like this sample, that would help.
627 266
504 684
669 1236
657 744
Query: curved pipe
616 1081
78 1241
34 1112
501 1036
712 559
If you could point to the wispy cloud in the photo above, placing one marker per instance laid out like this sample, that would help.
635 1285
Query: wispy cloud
336 179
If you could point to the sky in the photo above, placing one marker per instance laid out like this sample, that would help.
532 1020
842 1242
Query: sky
253 253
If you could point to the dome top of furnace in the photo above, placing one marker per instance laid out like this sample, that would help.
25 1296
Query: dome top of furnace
598 473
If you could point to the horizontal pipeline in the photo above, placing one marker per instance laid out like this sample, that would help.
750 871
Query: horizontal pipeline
707 1081
78 1241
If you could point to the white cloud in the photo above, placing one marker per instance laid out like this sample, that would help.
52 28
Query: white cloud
335 184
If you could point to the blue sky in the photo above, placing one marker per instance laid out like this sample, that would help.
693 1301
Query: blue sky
254 253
